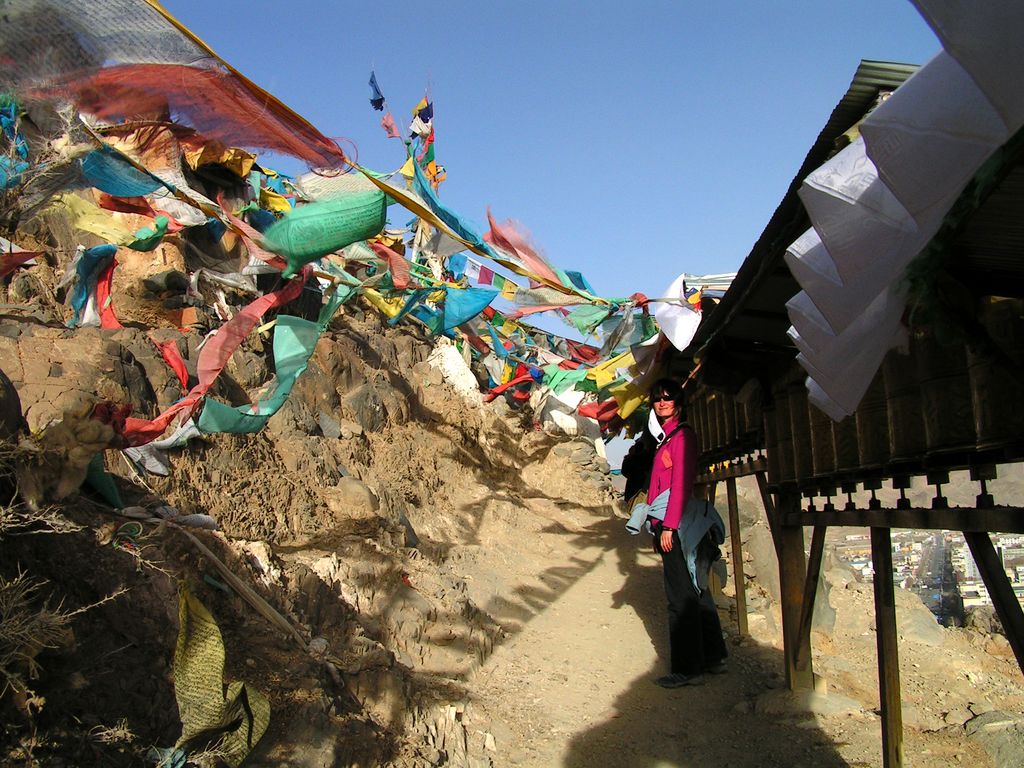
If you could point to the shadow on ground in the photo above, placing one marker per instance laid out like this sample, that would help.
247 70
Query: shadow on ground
722 723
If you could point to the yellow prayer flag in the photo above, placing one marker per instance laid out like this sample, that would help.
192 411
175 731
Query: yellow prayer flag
408 170
508 290
388 307
236 160
628 397
89 217
604 373
272 201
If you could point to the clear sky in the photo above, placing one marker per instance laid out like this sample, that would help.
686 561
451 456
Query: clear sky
634 140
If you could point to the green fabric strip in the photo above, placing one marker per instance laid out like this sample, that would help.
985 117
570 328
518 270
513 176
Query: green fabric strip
294 342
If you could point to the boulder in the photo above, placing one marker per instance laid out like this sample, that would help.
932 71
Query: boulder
915 622
761 548
983 619
57 370
329 426
446 362
351 499
375 403
990 722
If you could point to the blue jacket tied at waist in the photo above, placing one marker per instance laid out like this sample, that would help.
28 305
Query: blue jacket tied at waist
699 518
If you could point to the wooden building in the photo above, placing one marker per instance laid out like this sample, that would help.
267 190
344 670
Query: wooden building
954 400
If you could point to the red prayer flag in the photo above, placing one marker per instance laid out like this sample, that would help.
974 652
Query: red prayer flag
486 276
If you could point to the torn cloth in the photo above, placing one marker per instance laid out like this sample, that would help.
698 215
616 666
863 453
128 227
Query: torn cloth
214 357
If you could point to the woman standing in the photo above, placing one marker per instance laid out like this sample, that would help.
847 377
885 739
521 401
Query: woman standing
695 633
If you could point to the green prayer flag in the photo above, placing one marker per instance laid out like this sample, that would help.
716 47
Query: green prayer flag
294 342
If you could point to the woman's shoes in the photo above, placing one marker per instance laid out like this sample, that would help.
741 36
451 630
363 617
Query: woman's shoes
678 681
718 668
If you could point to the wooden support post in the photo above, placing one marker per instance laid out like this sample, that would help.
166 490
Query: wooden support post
789 543
769 507
999 589
810 592
738 578
888 652
709 489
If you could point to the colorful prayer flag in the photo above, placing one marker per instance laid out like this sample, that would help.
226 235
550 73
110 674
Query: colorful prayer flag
457 265
376 97
390 127
508 291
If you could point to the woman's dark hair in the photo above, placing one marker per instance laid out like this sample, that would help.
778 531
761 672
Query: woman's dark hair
674 390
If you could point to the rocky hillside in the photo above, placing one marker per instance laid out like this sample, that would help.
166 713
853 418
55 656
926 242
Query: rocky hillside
356 574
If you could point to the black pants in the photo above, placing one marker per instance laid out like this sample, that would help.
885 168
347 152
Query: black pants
694 631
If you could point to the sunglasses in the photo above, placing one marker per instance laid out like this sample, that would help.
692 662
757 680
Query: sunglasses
662 398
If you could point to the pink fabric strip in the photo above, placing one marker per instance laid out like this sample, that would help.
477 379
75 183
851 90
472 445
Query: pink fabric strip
399 267
523 311
508 238
215 356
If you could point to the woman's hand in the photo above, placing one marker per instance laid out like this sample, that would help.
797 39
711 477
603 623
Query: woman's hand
666 540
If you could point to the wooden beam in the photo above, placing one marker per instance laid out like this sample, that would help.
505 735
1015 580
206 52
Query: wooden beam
792 572
1001 519
810 592
738 469
769 507
739 580
888 652
999 590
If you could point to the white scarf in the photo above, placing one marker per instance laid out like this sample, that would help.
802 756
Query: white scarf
654 427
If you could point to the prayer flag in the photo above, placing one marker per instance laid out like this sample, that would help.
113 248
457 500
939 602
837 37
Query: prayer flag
424 110
579 281
508 291
486 276
390 127
376 97
457 265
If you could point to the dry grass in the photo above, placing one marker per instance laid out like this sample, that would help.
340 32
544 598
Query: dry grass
18 519
212 756
119 733
25 630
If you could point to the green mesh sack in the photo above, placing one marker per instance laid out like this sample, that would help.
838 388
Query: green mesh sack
314 230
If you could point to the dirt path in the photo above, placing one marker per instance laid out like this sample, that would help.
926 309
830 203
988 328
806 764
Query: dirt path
574 685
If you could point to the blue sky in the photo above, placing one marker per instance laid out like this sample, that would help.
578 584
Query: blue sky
634 141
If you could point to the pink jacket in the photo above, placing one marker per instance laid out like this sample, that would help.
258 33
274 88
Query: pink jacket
675 467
